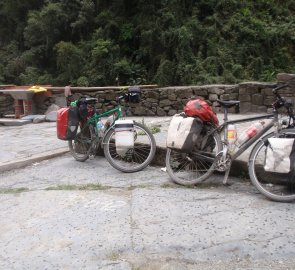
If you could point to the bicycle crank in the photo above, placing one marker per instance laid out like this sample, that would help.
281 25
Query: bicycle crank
93 149
223 163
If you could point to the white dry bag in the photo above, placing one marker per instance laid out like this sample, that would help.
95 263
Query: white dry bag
280 155
124 135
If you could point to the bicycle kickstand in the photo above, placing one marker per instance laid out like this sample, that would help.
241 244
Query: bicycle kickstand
225 179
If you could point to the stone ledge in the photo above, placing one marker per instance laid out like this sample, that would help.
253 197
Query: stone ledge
12 165
13 122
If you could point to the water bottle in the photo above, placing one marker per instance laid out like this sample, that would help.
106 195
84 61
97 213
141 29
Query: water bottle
100 128
250 132
231 136
108 122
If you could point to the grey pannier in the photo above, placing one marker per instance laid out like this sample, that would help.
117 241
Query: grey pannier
183 132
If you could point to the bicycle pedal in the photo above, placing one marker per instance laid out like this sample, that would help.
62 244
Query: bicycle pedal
227 184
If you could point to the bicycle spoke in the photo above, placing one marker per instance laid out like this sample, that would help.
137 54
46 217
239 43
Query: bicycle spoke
275 186
140 155
79 147
194 167
135 158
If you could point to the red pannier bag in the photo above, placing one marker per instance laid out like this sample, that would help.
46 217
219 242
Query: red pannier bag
67 123
200 108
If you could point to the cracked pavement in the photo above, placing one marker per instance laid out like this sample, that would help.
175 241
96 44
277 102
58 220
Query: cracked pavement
137 221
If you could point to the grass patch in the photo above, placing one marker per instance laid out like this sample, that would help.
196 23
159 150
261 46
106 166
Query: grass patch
137 186
79 187
13 190
204 185
209 185
170 185
114 256
152 129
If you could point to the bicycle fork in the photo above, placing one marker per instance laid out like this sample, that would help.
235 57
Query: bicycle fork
94 143
224 163
226 160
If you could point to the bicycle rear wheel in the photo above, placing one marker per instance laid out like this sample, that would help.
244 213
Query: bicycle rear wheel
136 158
192 168
80 146
275 186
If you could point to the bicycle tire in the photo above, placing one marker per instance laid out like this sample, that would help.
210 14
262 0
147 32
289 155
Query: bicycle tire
80 146
137 158
275 186
191 168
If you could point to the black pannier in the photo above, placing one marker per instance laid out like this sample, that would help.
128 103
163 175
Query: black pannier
84 110
133 95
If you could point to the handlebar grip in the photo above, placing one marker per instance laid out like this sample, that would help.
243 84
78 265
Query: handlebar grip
279 87
275 91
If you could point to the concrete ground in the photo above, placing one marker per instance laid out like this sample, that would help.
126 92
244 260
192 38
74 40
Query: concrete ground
62 214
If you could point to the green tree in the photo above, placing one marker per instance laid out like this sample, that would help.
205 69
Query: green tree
69 61
165 41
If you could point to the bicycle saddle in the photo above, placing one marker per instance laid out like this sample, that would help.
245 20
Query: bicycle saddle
228 103
88 100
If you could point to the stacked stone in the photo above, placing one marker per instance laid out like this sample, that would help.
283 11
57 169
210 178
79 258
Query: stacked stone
42 104
167 101
258 97
6 105
287 92
223 92
171 100
255 97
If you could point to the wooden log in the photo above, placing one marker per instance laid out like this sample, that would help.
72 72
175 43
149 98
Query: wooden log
56 89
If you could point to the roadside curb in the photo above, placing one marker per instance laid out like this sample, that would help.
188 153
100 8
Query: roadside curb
13 122
30 160
239 167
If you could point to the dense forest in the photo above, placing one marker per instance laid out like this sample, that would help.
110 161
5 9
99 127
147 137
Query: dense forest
168 42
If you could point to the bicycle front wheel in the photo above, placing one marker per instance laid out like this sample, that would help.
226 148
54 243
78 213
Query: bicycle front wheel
192 168
136 158
275 186
80 146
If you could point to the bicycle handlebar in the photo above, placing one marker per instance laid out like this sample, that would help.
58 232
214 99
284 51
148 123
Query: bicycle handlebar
275 91
282 102
120 98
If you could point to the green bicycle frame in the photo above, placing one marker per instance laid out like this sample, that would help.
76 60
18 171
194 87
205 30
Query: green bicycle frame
117 112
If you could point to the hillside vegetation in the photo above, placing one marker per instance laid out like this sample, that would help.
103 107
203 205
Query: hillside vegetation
168 42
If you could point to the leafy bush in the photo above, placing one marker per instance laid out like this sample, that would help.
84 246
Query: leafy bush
83 81
167 42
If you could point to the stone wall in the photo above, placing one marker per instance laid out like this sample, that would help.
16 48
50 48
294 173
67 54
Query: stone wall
6 105
254 97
